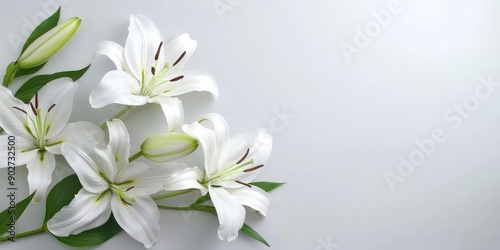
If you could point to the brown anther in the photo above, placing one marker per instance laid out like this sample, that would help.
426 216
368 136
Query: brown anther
128 203
244 184
128 189
158 51
176 79
20 109
153 70
36 100
180 58
252 169
51 107
244 156
33 109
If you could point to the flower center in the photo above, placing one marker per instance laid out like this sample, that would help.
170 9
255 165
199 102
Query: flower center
40 124
125 197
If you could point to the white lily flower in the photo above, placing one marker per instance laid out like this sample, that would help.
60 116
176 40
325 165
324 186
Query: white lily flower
111 184
149 71
40 128
230 165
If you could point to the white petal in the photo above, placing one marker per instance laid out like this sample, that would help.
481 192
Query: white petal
13 121
141 220
90 161
185 179
119 141
79 129
59 92
220 128
230 212
113 51
253 197
192 81
141 47
40 174
86 211
259 143
143 177
117 87
173 111
25 150
176 48
208 142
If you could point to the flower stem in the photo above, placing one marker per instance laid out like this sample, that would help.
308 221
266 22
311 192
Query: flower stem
24 234
172 194
175 208
118 115
134 157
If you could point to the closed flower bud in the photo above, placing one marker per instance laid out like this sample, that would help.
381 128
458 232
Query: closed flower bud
45 46
168 147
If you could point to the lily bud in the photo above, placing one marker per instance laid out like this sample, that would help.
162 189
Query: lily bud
168 147
45 46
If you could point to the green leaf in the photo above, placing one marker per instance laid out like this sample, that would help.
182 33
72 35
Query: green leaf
30 87
42 28
267 186
61 195
16 212
93 237
246 229
25 72
201 200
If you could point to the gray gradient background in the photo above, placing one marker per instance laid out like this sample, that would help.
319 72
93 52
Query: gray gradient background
352 121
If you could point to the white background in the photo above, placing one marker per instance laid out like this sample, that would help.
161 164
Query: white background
352 121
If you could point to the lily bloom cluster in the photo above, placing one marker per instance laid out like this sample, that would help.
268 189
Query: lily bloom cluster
148 70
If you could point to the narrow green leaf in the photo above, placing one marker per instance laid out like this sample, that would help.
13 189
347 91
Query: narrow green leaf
42 28
30 87
246 229
201 200
266 185
61 195
25 72
93 237
12 214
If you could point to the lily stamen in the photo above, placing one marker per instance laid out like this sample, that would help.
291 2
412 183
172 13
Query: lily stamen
128 203
129 189
244 184
252 169
36 100
153 70
158 51
33 109
176 79
51 107
180 58
20 109
244 156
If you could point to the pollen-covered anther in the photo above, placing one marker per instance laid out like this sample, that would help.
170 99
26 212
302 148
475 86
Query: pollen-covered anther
129 189
51 107
36 100
252 169
244 184
244 156
176 79
180 58
153 70
20 109
33 109
126 202
158 51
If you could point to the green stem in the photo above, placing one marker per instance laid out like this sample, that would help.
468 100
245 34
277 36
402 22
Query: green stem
175 208
133 157
24 234
118 115
172 194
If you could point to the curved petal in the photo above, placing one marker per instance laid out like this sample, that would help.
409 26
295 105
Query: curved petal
258 143
206 138
186 179
192 80
117 87
12 120
141 47
79 129
230 212
40 174
140 220
59 92
92 162
27 151
145 178
119 142
86 211
253 197
175 49
220 128
173 111
114 52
